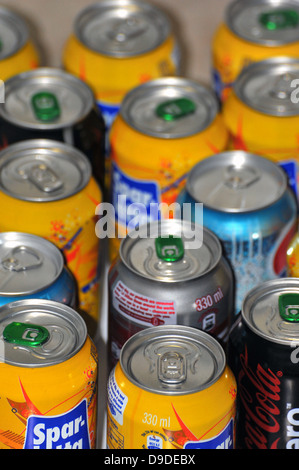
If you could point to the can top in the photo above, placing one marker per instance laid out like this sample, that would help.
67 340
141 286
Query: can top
240 181
268 86
172 360
28 263
14 33
42 170
39 333
264 22
169 107
271 310
122 28
171 251
46 98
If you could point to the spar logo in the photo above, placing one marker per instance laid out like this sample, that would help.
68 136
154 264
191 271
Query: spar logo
65 431
224 440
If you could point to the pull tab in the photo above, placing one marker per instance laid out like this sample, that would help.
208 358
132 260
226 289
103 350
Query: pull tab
25 334
279 19
169 249
171 368
240 178
43 177
127 30
45 106
289 307
282 87
175 109
12 263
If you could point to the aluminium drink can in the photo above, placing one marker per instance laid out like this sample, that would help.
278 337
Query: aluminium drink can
46 188
18 53
263 354
117 45
262 113
173 123
248 204
49 103
172 273
253 30
171 389
48 369
33 267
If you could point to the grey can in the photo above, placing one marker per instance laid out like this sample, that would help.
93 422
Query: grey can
166 277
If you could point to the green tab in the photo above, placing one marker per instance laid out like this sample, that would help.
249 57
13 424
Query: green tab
289 307
25 334
45 106
279 19
175 109
169 249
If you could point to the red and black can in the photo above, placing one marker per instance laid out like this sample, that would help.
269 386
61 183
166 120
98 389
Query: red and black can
49 103
263 353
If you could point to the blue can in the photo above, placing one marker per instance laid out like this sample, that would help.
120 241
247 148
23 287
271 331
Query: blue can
31 267
246 201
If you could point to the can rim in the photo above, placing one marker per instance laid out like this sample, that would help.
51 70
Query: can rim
68 314
48 75
21 26
197 169
13 151
238 5
51 251
90 11
184 332
170 223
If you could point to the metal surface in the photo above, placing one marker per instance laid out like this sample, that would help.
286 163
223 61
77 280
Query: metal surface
14 33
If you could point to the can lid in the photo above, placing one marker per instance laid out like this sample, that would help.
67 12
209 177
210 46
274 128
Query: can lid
46 98
264 22
172 360
241 182
271 310
169 107
42 170
39 333
267 86
171 251
122 28
28 263
14 33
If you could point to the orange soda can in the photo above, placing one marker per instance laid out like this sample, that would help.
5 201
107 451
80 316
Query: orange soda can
163 129
253 30
48 366
262 113
17 50
171 389
293 257
117 45
46 189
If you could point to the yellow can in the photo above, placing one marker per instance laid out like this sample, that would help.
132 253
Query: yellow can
253 30
18 53
163 129
172 390
48 369
262 113
292 255
117 45
46 189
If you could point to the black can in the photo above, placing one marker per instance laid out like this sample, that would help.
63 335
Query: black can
49 103
263 353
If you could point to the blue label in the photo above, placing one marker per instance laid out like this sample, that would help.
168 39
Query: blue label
66 431
109 112
224 440
291 170
130 195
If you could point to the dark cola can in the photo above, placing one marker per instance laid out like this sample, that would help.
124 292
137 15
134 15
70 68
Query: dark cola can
263 353
48 103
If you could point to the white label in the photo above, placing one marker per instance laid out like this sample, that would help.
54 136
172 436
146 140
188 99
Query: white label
142 309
